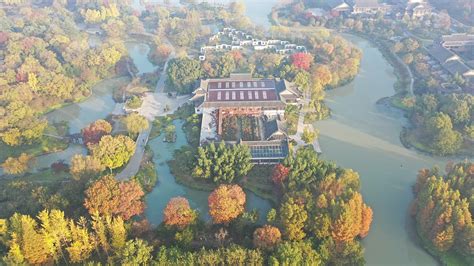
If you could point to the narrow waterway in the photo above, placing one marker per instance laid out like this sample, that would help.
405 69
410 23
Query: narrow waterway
139 53
98 106
364 136
168 188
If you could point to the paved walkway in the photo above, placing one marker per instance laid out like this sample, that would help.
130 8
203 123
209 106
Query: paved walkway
154 104
134 164
299 133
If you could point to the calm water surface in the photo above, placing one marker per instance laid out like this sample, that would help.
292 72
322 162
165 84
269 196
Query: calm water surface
167 187
364 136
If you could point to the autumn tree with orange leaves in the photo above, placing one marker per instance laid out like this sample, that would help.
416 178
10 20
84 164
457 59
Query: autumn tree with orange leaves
226 203
353 220
302 60
107 196
323 201
442 208
266 237
178 213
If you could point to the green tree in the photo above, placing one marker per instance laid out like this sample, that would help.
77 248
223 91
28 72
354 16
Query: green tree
293 216
309 135
183 73
135 123
295 253
222 164
136 252
113 152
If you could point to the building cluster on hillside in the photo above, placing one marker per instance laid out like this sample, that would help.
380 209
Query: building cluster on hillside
232 39
412 8
225 100
455 53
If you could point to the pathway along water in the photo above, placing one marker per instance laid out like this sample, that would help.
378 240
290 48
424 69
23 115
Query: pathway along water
364 136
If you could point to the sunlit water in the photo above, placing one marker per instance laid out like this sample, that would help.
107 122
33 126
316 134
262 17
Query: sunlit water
168 188
364 136
139 53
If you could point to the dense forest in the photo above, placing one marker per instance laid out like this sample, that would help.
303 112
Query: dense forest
443 210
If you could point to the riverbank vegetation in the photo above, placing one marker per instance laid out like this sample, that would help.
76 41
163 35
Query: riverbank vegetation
402 43
442 209
47 63
442 124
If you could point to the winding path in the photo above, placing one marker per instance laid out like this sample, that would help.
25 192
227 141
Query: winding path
153 105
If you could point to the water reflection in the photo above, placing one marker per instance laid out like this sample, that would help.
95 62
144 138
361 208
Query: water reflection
364 136
168 188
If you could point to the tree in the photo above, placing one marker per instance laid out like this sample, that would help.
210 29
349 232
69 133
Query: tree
221 163
408 59
182 73
348 221
280 174
27 244
302 60
266 237
85 167
113 152
107 196
237 8
82 242
322 74
309 135
444 140
136 252
295 253
293 216
135 123
442 208
15 166
178 213
226 203
94 132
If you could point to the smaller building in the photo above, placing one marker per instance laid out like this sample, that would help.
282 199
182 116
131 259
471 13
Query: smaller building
369 7
451 62
458 42
338 7
418 8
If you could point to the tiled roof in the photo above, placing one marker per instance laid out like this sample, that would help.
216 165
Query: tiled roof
335 3
273 126
459 37
440 53
456 66
234 95
366 3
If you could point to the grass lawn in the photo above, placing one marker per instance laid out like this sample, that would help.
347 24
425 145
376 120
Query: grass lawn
45 145
47 175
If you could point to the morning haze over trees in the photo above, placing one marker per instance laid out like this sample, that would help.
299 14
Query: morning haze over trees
103 151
